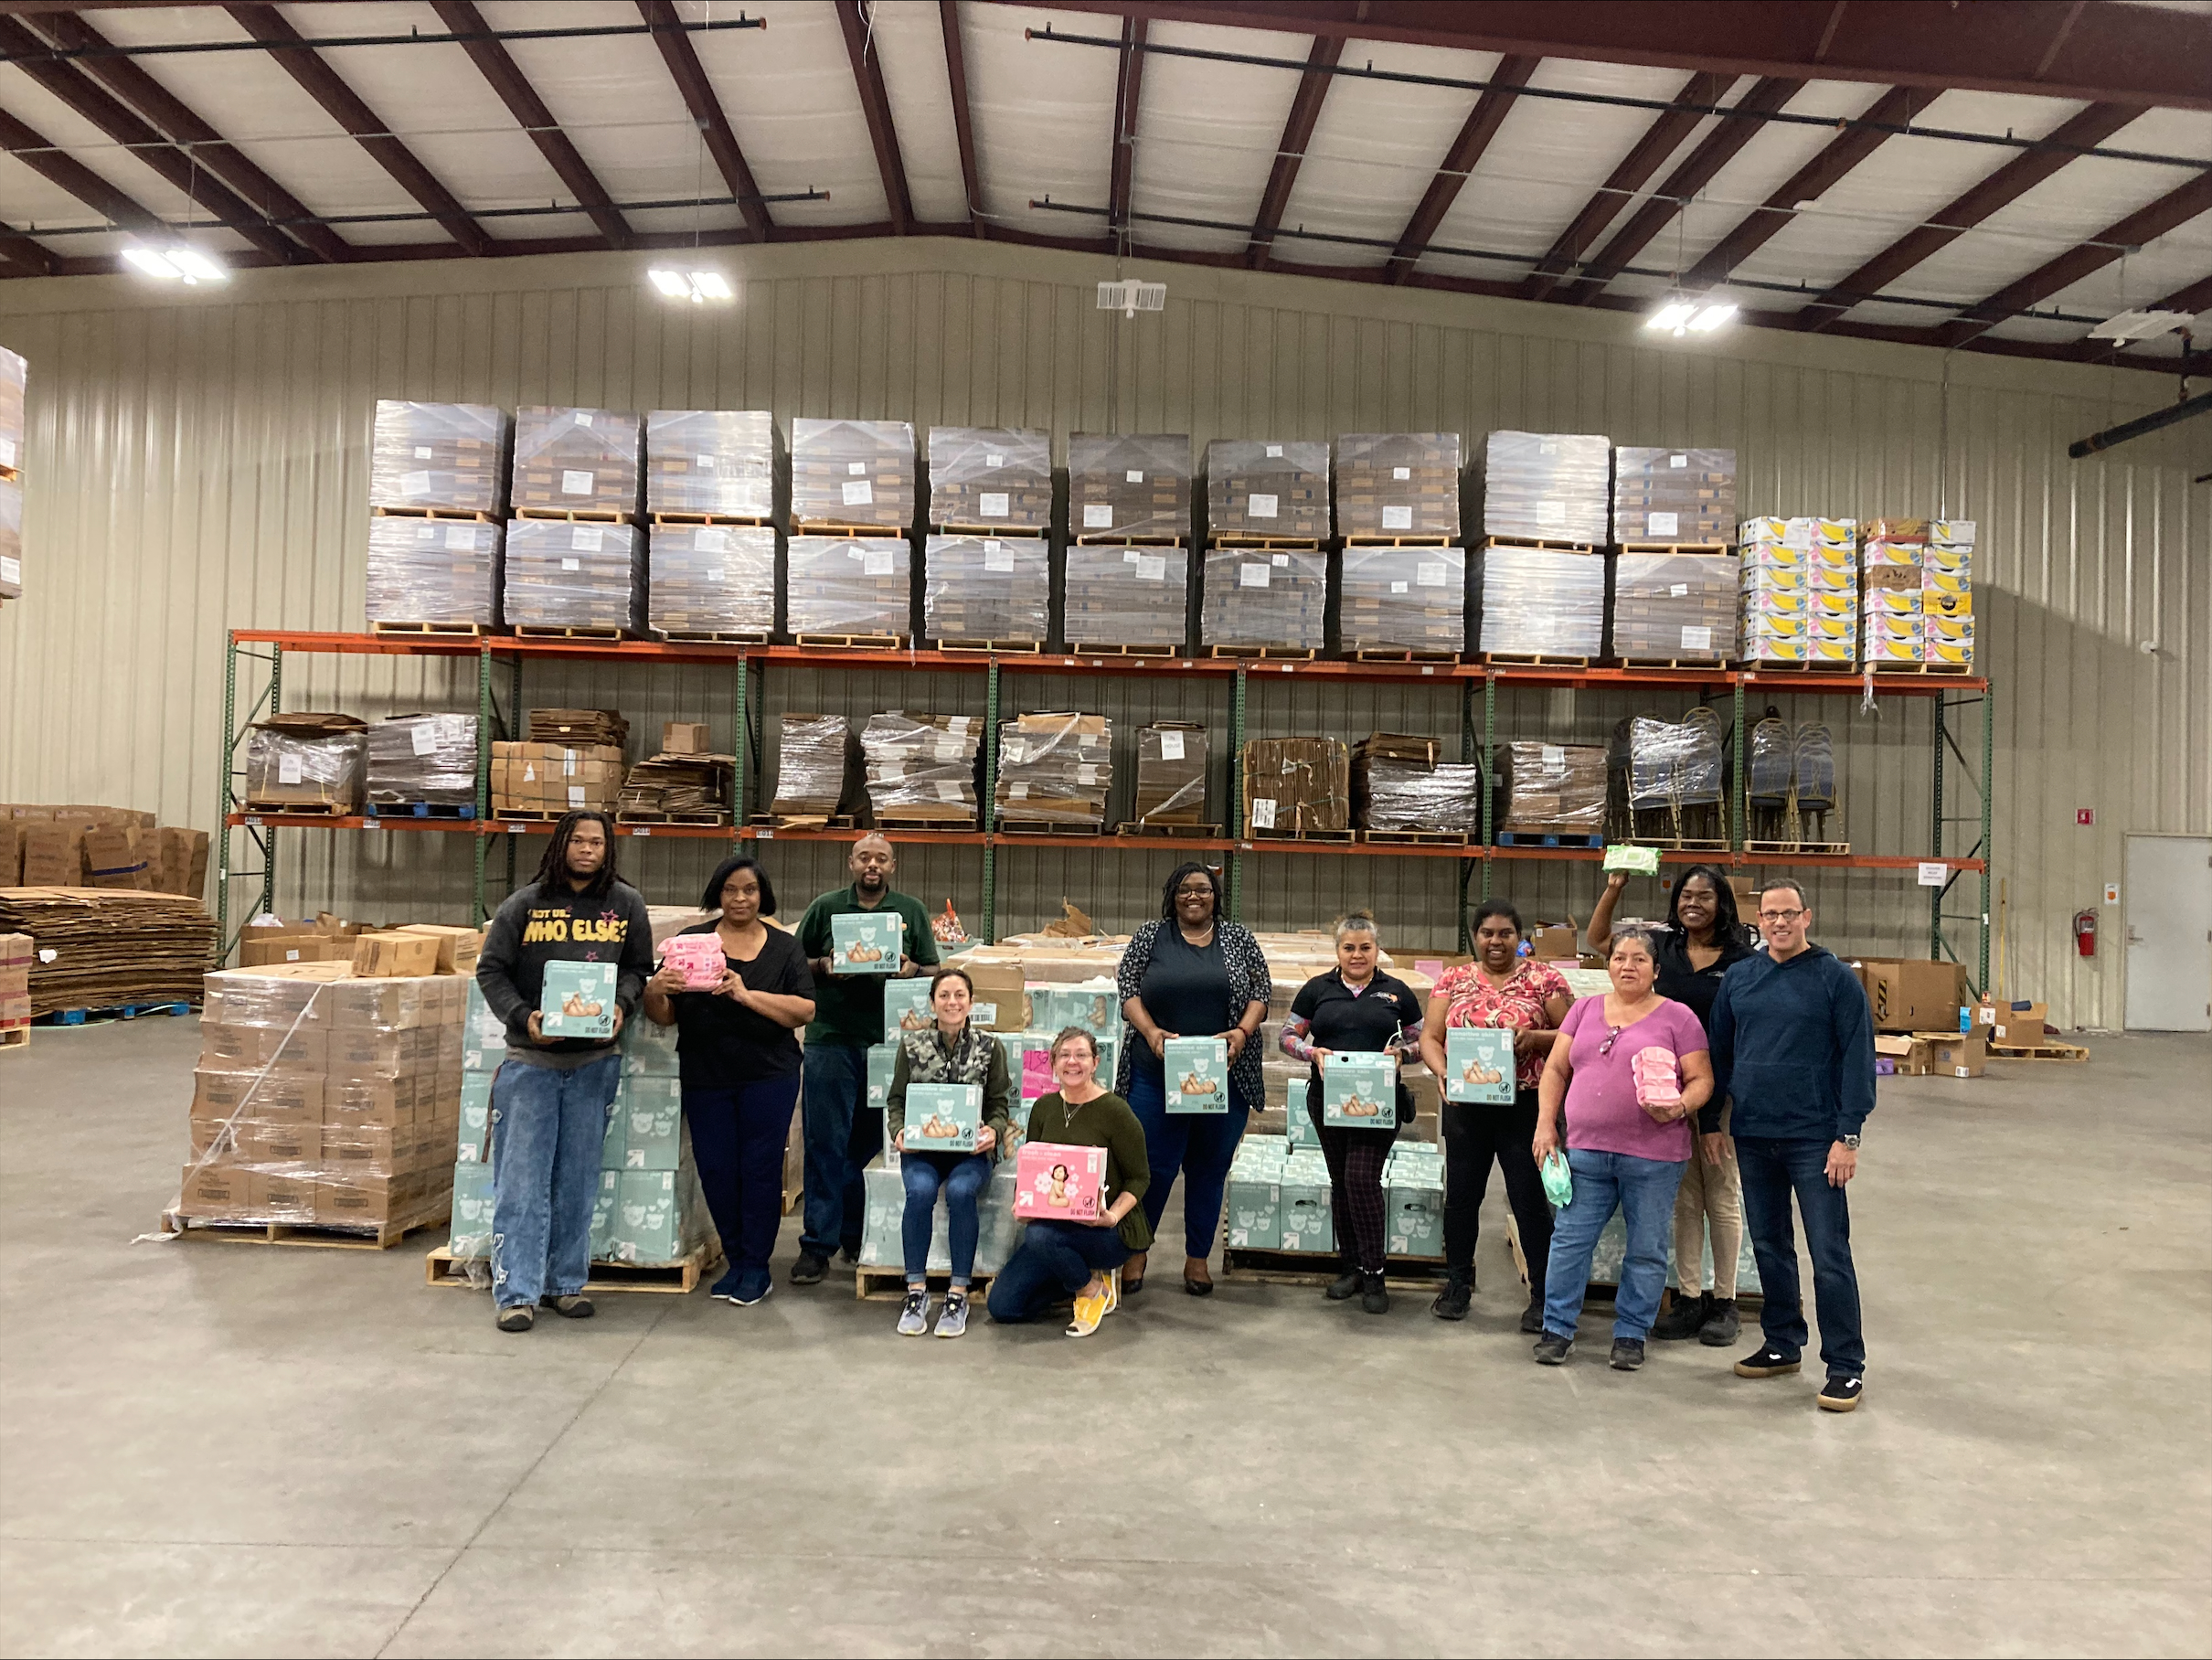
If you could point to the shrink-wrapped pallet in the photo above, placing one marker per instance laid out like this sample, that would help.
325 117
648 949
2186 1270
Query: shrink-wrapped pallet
851 472
1055 767
1296 786
1397 484
993 477
986 588
712 580
563 574
816 767
1674 495
1403 599
306 762
1677 776
1256 596
1542 602
923 767
719 463
1126 596
11 539
1553 789
1265 487
435 571
840 586
1129 484
1171 774
423 757
1675 607
1399 784
537 780
577 461
446 456
1547 487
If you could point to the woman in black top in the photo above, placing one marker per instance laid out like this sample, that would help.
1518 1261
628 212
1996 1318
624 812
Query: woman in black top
739 1058
1357 1008
1702 940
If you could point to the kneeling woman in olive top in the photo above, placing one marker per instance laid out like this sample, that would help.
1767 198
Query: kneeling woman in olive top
1081 1258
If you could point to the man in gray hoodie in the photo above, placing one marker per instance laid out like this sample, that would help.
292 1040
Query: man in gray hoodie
552 1096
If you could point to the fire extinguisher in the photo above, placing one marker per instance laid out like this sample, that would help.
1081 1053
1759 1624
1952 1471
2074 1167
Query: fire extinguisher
2085 933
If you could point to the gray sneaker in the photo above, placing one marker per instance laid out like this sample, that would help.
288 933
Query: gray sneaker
914 1318
953 1320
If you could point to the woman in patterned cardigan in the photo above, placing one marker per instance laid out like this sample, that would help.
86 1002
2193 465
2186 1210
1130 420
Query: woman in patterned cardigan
1193 974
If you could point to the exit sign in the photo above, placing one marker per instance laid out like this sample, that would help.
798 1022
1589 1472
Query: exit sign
2085 815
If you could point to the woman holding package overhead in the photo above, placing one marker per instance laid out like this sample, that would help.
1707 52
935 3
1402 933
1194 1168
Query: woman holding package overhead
1193 974
1353 1011
947 1115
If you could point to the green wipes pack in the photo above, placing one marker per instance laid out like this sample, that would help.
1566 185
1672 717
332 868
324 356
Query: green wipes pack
1636 861
577 1000
1359 1091
1478 1064
1197 1074
1558 1181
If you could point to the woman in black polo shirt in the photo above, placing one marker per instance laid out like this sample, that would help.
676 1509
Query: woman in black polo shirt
1357 1008
736 1047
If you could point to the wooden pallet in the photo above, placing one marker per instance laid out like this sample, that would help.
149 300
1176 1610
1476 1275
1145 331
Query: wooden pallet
1917 668
889 1285
1108 538
1679 843
577 515
420 809
1401 541
1548 838
1136 828
1711 663
462 513
457 631
1319 1267
1344 837
1268 544
709 636
679 1278
302 809
705 820
1056 826
15 1038
2069 1053
1004 648
1720 548
1391 654
1003 533
868 643
1536 659
677 521
1780 848
121 1011
800 821
1078 648
550 816
1415 839
322 1236
900 821
1848 671
851 533
1260 653
536 630
1534 544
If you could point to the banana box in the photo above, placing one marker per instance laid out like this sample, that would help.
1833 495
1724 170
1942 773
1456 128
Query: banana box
1775 578
1948 631
1762 602
1942 581
1902 578
1894 529
1956 533
1831 534
1952 557
1960 604
1761 532
1884 629
1777 651
1960 655
1773 556
1891 603
1821 604
1843 629
1881 552
1831 579
1878 652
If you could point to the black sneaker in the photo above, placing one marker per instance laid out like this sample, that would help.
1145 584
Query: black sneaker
809 1269
1840 1394
1721 1325
578 1307
1342 1287
1374 1296
1628 1353
1532 1318
1685 1319
1451 1302
1769 1362
1553 1349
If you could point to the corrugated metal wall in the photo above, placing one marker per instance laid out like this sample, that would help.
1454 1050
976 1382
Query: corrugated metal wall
198 462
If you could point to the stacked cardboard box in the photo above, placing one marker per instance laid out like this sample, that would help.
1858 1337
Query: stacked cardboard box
577 461
1397 484
1293 785
851 472
1398 783
306 762
423 757
43 846
579 726
1947 604
711 580
815 769
1890 552
1055 769
998 1229
15 984
110 947
1541 602
694 786
850 587
1674 495
1555 788
1547 486
1256 596
1265 488
1675 607
11 539
435 571
719 463
1171 774
447 457
537 780
1413 1191
14 373
923 767
1403 599
999 477
987 588
1129 484
1115 595
1799 591
565 575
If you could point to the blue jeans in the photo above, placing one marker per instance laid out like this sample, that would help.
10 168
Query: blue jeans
1198 1144
962 1175
549 1127
1055 1260
738 1138
1642 1190
842 1137
1772 1170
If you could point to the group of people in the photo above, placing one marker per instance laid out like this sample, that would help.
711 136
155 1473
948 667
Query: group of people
1768 1045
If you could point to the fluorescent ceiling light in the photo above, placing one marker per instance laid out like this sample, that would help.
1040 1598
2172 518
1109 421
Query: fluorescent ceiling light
1674 316
1711 317
2138 325
697 286
178 265
1679 315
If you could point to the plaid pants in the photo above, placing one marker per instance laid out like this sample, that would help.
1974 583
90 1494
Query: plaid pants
1355 1191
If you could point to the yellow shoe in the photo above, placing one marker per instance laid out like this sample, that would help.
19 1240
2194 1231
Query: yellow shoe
1088 1312
1113 1290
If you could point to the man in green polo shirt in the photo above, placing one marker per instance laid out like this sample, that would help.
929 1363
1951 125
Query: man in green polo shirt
842 1137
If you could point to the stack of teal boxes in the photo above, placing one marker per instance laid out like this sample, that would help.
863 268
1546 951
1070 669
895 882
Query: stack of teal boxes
1413 1194
1254 1201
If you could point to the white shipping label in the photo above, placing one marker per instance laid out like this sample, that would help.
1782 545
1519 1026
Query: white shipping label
1696 639
1131 556
583 418
991 459
588 538
992 504
710 539
1677 461
48 955
706 463
11 570
949 791
460 539
571 564
1251 576
1261 506
1017 791
855 467
576 795
1551 513
1263 812
568 763
1679 590
1934 872
575 482
428 532
877 562
1086 774
1662 524
414 484
1152 568
529 772
1430 573
1797 534
1397 518
1273 451
422 453
1554 756
1133 477
997 556
1171 746
1281 561
424 736
859 493
1401 588
951 749
1098 516
288 768
714 573
1402 474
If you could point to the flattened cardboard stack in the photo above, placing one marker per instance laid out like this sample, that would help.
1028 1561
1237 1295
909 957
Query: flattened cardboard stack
14 373
306 762
110 947
1547 487
1258 596
580 726
1403 599
816 770
423 757
1171 774
1397 484
577 461
1129 484
435 571
719 463
841 586
565 575
1398 783
1055 769
1542 602
987 588
851 472
1114 595
921 767
1555 788
546 780
995 476
1262 487
1674 495
452 457
1675 607
711 580
1799 591
1293 785
692 787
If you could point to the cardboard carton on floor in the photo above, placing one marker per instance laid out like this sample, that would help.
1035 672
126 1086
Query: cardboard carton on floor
1899 1055
1911 995
1952 1055
1414 1223
2017 1024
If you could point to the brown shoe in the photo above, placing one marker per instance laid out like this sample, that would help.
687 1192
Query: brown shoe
517 1318
578 1307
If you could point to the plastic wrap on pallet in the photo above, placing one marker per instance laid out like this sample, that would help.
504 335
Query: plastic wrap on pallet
1258 596
1055 767
1132 484
720 461
11 539
1296 784
311 760
1773 751
711 579
1547 486
1406 795
1125 596
923 766
1555 787
853 473
1677 606
427 758
581 461
838 586
1171 774
449 456
565 574
435 571
14 374
1397 484
1410 598
1674 495
1266 487
535 778
998 476
986 588
1672 764
815 765
1541 602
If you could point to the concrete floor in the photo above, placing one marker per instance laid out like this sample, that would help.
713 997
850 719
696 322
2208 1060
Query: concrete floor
218 1449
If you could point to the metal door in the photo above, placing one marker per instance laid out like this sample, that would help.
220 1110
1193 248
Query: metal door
2168 908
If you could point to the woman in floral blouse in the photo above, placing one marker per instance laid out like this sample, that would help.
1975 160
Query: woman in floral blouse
1499 988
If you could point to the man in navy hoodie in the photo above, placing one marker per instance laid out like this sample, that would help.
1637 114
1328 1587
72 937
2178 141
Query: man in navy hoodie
1793 1043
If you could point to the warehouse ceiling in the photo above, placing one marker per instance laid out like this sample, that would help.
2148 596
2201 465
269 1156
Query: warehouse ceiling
2001 175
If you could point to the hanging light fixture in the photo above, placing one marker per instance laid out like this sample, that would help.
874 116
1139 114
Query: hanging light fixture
697 286
1679 315
177 264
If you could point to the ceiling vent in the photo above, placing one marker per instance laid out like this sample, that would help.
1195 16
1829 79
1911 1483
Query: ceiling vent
2138 325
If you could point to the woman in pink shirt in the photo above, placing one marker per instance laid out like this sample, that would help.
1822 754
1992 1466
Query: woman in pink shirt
1631 1069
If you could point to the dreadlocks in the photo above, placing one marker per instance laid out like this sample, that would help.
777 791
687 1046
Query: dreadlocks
553 870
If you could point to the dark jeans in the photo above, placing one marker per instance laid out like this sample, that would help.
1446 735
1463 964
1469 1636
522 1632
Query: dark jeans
962 1175
1475 1133
1055 1261
1772 1170
1198 1145
842 1137
737 1139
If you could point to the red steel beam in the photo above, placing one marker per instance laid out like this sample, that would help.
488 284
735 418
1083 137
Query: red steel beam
1297 131
875 105
690 78
964 120
36 152
1475 136
1129 86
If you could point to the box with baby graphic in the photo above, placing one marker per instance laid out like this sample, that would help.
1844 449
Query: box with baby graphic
867 942
699 956
944 1117
1056 1182
1197 1074
1359 1091
1478 1064
577 1000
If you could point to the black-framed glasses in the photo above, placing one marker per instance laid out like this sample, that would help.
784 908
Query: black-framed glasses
1779 916
1612 1034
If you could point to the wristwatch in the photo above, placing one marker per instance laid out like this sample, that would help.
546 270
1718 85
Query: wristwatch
1849 1141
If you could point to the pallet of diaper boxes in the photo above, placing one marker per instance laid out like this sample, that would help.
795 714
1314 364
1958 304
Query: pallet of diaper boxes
1278 1194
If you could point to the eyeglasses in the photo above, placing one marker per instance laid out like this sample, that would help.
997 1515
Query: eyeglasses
1779 916
1612 1033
